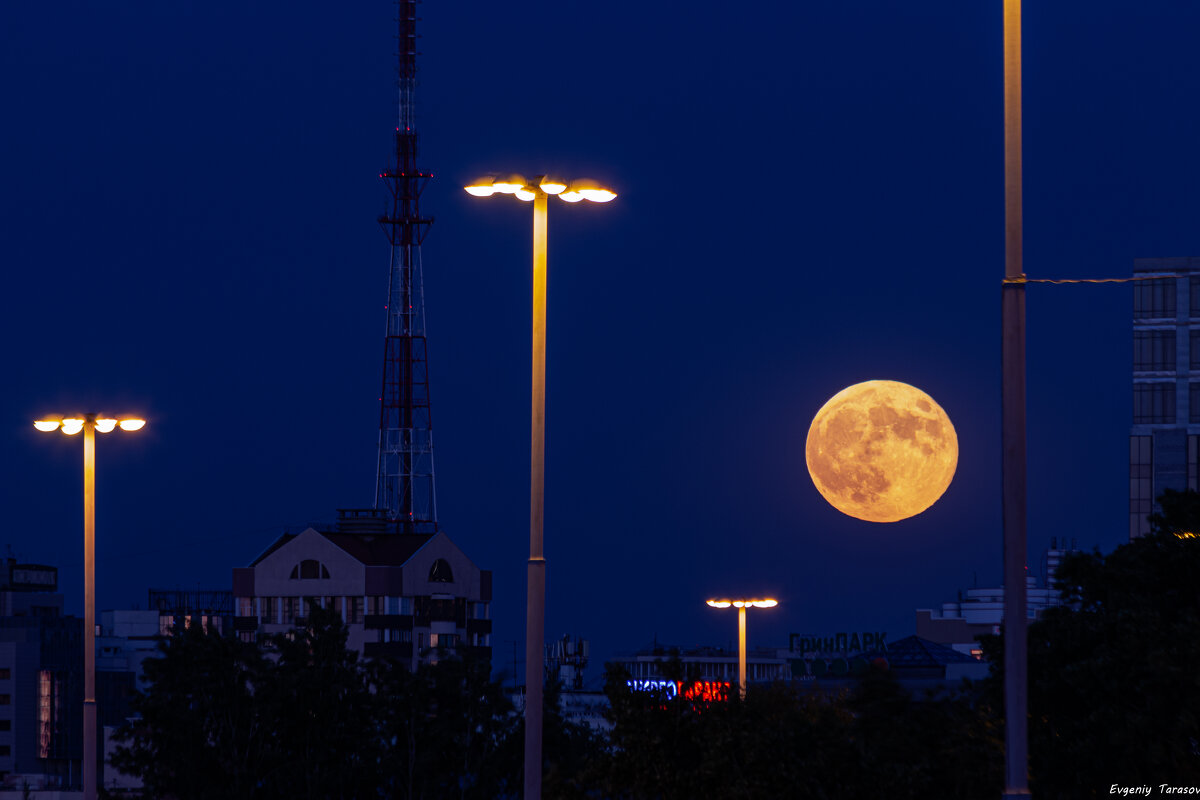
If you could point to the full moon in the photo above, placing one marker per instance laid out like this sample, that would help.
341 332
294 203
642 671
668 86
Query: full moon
881 451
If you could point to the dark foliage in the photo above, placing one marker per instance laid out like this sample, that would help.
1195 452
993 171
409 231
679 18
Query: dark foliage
443 731
777 742
306 721
200 735
1113 693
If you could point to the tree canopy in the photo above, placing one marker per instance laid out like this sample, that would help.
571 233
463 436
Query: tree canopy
1113 692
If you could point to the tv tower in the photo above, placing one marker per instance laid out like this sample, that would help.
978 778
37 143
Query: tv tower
404 479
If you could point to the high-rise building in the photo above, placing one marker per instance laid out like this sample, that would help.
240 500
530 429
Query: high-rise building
41 679
1164 441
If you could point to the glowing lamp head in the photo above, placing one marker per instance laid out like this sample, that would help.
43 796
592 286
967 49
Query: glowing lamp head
570 196
46 425
589 189
72 426
526 193
509 184
132 424
551 185
482 187
106 425
744 603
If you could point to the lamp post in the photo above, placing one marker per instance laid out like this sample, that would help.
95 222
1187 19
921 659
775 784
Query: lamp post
741 605
89 424
1013 485
538 191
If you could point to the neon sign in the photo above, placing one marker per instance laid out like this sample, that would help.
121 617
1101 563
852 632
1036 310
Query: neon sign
708 691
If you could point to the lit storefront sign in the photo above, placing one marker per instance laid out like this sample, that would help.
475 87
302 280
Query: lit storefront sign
707 691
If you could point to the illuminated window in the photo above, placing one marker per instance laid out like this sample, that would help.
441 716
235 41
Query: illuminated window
1153 403
440 572
1154 299
1154 351
245 606
45 712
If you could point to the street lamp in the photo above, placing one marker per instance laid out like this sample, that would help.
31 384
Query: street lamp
741 605
89 424
538 190
1013 433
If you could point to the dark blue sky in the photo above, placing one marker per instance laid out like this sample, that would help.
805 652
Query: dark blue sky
810 196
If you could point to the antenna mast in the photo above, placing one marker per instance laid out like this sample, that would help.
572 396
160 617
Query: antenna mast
404 488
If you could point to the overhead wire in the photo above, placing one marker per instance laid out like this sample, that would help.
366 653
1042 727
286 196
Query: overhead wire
1025 279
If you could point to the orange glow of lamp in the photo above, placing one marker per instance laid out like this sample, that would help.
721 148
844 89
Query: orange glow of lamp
88 424
538 191
741 604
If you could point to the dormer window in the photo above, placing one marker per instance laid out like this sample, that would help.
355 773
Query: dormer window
440 572
308 569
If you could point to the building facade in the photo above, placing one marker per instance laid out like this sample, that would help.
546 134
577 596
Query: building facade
41 680
1164 440
411 597
763 665
960 623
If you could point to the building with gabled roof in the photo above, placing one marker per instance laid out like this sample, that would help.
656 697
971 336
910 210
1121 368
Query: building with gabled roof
408 596
915 661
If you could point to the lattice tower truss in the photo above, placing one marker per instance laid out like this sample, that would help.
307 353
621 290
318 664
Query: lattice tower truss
404 486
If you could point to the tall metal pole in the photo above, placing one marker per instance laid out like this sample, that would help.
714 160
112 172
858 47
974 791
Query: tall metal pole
536 610
1013 469
742 652
89 607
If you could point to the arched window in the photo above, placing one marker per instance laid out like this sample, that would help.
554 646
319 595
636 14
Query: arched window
309 568
440 572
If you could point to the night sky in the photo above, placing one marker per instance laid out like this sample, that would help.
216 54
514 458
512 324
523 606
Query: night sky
810 196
